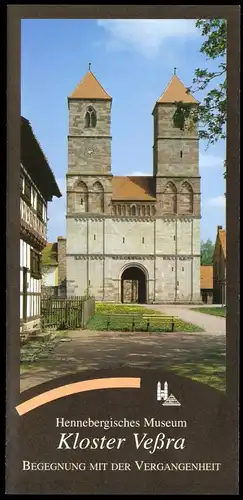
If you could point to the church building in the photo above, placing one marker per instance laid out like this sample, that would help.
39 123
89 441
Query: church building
132 239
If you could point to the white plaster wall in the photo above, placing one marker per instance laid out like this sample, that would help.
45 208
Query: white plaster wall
133 232
96 278
184 279
76 276
76 236
165 279
165 237
196 237
196 279
184 237
95 236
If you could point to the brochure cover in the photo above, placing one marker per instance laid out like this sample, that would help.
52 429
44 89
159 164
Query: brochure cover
122 250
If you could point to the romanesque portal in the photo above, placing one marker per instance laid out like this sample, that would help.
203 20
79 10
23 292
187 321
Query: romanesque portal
133 286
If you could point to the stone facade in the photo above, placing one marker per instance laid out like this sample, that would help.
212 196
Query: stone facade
108 234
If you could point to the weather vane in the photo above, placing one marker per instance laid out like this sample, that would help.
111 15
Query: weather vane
89 66
175 71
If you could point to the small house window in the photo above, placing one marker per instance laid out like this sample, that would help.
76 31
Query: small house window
123 240
181 154
33 198
172 269
35 264
39 207
81 201
174 238
44 213
94 236
182 268
142 239
27 190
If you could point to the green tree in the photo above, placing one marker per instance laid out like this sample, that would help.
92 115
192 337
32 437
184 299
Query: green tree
211 112
207 249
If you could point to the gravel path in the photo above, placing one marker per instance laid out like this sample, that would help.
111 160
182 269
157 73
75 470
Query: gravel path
215 325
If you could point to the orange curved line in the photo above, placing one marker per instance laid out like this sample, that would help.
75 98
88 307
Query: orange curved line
86 385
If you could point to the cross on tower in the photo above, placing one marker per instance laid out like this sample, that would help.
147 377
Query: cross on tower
89 66
175 71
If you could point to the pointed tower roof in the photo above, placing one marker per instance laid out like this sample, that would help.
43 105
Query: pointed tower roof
176 91
89 88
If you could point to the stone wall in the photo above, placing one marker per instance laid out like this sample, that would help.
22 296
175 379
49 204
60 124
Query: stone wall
82 194
77 112
164 125
62 265
168 250
176 194
89 149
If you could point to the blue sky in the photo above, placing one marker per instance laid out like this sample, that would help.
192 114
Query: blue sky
134 61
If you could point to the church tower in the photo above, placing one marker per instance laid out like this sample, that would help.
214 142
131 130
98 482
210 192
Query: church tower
176 173
89 179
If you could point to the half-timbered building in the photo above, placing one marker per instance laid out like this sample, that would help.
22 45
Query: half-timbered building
37 187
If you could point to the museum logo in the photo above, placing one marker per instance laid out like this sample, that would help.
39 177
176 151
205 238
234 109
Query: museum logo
163 395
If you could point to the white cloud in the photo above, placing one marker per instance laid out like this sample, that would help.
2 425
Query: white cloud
146 35
217 201
210 161
138 174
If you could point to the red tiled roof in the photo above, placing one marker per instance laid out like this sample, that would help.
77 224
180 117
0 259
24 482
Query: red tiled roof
133 188
206 277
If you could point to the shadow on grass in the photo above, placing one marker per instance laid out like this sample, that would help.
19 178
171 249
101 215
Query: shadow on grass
199 357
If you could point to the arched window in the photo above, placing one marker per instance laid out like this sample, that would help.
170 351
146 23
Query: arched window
98 198
119 209
143 210
153 210
186 198
114 209
81 204
170 198
148 210
90 118
123 209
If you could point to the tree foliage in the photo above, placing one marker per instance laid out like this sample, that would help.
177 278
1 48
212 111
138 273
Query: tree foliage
207 250
211 113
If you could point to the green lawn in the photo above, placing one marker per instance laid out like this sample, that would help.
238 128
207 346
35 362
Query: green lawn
99 320
215 311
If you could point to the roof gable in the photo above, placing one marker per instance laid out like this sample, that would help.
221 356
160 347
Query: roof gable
220 241
176 92
89 88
